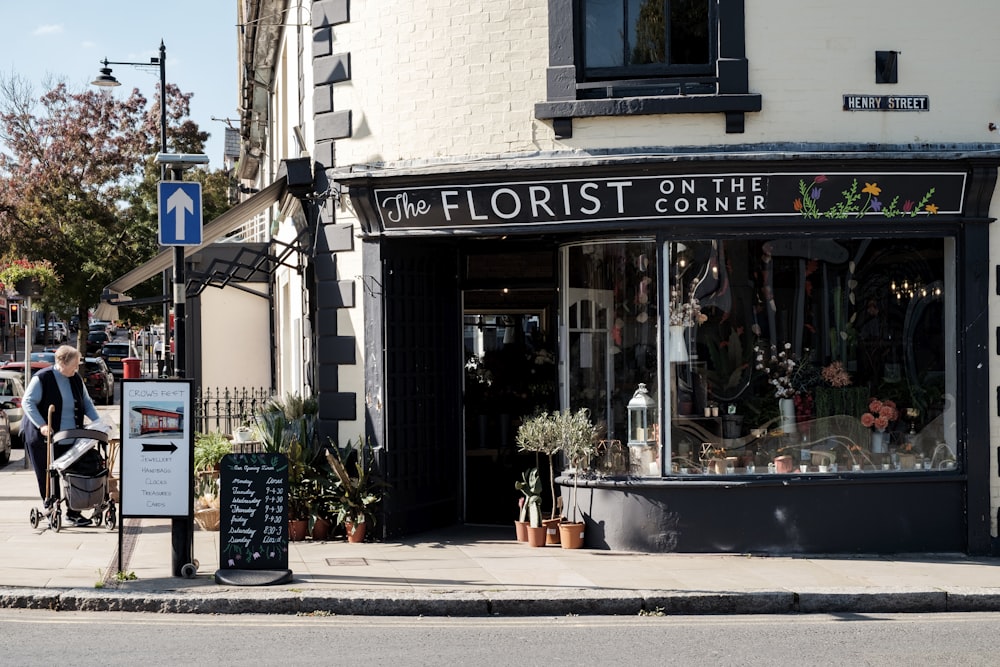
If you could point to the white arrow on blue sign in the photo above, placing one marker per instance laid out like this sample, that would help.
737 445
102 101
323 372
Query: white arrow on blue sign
179 204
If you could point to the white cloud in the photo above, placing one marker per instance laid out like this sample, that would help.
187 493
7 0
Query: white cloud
48 30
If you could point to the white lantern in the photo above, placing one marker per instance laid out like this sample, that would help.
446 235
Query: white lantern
641 418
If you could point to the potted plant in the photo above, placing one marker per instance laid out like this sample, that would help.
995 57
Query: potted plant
532 490
289 427
578 441
539 434
530 487
209 448
27 277
359 493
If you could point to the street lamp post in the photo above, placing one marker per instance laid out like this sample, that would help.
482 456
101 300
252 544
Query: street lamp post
106 80
182 529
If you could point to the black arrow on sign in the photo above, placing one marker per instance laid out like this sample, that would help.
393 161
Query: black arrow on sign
151 447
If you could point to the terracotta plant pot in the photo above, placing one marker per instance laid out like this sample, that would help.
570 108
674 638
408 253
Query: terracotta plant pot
521 531
297 529
784 464
321 529
551 530
536 536
571 534
355 533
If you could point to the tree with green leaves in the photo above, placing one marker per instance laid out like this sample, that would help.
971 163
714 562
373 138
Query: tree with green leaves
78 183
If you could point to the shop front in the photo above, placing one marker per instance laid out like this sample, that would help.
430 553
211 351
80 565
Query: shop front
807 337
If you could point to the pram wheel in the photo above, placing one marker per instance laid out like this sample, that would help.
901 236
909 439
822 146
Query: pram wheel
35 517
111 517
56 520
97 518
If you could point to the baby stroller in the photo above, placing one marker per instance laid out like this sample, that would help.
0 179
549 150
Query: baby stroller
82 475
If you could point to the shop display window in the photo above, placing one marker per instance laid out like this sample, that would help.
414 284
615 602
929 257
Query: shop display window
820 355
792 356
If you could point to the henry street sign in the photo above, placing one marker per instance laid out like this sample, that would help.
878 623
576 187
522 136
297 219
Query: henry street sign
179 204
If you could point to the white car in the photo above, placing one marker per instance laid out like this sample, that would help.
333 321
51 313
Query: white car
11 392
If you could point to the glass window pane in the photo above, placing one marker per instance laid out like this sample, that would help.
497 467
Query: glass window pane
689 38
818 354
604 35
611 347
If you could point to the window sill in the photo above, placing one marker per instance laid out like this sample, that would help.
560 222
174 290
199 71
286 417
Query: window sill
562 112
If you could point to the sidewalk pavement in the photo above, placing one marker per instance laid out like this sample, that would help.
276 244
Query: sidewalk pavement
460 571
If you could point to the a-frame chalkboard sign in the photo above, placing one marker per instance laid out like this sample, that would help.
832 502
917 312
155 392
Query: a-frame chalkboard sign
253 528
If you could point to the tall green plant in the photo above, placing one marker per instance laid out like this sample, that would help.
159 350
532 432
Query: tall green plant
578 440
539 434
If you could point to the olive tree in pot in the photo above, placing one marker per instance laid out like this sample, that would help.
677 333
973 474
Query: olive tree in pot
539 434
578 441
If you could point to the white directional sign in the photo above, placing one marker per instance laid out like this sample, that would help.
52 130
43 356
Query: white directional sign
157 445
180 212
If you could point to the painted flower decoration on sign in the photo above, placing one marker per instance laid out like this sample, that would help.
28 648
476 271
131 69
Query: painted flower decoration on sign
857 202
13 271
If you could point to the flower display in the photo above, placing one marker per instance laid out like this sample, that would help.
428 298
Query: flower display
685 313
836 375
13 271
880 414
780 367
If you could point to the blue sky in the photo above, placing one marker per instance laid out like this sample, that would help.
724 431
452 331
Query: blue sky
67 39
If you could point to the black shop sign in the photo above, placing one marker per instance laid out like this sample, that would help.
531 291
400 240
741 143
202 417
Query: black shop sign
815 195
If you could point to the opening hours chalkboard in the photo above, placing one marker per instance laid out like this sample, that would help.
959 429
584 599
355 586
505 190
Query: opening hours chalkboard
253 527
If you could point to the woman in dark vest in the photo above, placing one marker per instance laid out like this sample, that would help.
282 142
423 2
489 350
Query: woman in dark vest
60 386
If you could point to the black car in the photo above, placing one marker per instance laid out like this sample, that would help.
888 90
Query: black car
114 353
95 341
98 379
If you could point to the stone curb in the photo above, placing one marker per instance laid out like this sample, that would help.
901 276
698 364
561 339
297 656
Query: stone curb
500 603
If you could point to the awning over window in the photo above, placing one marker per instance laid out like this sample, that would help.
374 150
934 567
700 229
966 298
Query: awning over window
211 233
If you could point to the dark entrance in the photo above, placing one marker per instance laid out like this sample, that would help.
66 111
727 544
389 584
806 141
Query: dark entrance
510 344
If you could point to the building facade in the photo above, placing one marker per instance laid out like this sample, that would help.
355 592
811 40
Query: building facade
770 223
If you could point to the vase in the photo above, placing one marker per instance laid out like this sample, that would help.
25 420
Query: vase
783 464
551 530
677 343
878 442
355 531
536 536
787 408
571 534
321 529
521 531
297 529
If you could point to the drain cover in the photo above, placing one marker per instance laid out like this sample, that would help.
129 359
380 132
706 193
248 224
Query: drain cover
345 562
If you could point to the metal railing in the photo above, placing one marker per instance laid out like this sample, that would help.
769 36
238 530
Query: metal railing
224 409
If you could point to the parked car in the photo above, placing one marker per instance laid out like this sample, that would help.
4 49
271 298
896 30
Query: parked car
50 332
98 379
95 341
11 393
47 356
63 330
6 437
113 353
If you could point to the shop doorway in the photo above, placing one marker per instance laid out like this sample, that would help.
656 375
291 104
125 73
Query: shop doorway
509 336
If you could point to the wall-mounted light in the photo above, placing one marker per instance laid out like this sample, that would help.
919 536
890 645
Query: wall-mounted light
887 66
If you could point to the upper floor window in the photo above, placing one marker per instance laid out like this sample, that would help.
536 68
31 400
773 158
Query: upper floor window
664 56
648 38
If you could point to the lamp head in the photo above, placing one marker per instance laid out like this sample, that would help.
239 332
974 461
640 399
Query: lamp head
105 78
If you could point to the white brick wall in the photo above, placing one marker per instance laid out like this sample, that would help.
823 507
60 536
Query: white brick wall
442 80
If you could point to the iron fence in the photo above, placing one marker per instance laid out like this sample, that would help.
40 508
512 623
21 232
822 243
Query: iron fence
224 409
